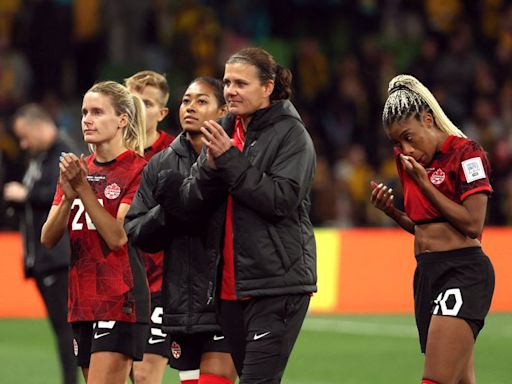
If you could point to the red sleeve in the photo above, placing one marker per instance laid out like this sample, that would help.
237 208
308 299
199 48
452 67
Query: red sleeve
474 171
131 189
57 198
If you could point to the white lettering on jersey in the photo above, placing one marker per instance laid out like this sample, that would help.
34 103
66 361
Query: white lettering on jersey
473 169
75 224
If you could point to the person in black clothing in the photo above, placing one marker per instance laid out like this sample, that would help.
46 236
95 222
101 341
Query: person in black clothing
198 348
38 134
257 171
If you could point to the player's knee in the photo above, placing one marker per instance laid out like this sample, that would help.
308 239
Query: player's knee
141 375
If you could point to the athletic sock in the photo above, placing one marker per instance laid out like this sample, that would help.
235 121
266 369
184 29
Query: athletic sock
206 378
189 377
427 381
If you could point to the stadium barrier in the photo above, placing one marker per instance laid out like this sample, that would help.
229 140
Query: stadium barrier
359 271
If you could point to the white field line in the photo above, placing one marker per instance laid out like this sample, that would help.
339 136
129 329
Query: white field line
360 328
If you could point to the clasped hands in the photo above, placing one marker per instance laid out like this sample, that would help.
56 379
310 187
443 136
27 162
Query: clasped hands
216 140
73 174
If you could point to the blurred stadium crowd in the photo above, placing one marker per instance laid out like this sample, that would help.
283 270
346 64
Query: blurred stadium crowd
342 54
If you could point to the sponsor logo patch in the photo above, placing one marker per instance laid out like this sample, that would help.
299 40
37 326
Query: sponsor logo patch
473 169
258 336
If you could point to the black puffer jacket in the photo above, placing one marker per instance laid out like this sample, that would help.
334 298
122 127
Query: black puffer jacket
270 182
187 267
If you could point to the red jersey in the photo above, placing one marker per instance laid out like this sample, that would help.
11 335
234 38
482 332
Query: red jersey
161 143
154 262
458 170
105 284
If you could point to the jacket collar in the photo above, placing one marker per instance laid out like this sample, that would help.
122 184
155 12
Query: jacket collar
181 145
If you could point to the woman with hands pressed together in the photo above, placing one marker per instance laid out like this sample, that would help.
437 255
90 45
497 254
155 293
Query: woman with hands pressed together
108 304
198 348
256 172
445 182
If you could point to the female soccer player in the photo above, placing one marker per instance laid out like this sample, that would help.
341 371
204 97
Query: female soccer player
445 181
257 170
198 348
108 292
153 89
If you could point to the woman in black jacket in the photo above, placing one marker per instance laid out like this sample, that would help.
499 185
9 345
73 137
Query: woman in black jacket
257 169
198 348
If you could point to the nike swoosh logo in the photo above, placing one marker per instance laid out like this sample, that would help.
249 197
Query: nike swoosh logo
98 335
154 341
216 338
259 336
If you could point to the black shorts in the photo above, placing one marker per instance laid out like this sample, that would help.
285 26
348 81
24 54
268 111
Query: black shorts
187 349
261 333
457 283
108 336
158 342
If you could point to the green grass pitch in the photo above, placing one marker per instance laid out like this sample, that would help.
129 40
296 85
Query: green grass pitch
330 350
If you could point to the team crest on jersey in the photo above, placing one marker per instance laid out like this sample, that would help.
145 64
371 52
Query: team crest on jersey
112 191
175 350
437 177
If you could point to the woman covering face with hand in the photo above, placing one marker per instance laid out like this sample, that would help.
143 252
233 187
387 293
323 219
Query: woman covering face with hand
108 291
445 181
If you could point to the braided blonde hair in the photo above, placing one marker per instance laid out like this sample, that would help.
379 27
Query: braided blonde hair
408 97
134 134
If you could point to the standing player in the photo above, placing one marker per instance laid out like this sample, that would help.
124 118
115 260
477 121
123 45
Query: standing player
108 291
153 90
257 172
199 351
445 180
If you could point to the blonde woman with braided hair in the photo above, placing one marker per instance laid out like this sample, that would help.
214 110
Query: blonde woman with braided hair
108 305
445 182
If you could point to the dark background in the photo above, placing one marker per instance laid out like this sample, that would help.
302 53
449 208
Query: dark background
342 54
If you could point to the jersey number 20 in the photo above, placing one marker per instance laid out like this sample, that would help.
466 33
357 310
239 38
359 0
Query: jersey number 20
75 224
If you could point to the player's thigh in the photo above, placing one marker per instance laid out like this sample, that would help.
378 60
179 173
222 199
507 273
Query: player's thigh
109 367
273 324
449 349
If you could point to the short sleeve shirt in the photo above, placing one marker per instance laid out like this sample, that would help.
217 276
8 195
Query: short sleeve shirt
458 170
102 281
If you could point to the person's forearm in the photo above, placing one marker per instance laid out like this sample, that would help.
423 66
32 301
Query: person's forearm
402 219
56 223
109 228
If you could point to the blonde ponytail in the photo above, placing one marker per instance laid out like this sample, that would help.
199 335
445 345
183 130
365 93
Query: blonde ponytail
134 135
408 97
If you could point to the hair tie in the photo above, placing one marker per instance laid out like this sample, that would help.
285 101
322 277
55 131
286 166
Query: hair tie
398 88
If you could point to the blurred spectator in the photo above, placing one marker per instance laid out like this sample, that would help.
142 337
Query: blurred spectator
38 134
353 175
51 51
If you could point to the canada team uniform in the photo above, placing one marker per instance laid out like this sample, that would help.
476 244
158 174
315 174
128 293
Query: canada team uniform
108 303
458 282
158 342
163 141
